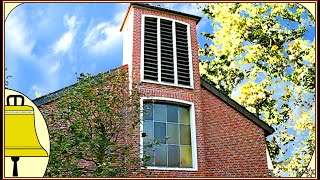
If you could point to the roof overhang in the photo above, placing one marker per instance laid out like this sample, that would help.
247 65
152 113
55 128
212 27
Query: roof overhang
59 93
157 8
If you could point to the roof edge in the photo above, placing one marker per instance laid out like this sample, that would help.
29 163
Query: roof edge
198 18
57 94
125 17
159 8
268 129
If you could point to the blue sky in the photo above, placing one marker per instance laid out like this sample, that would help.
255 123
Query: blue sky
47 43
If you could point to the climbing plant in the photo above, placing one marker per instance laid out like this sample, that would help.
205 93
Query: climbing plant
93 126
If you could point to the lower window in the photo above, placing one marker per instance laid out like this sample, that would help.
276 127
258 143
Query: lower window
167 135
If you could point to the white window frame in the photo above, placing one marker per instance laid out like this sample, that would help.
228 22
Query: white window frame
159 53
192 128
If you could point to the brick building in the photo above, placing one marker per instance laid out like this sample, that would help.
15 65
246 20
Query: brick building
202 132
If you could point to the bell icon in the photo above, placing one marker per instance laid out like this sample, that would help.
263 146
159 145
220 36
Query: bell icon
20 134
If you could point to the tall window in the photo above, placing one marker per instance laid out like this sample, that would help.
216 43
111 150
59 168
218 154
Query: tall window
166 51
167 128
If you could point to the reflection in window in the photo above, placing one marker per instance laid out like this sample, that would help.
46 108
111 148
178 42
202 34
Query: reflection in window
168 127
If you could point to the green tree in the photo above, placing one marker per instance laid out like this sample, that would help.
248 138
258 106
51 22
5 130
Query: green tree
260 50
96 120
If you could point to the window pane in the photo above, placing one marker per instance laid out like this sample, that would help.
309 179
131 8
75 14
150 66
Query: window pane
184 115
160 132
147 112
169 126
173 133
148 129
185 134
172 113
186 156
148 152
160 155
173 156
160 112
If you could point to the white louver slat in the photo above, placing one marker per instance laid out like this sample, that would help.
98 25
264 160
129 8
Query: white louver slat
167 69
150 49
166 52
182 54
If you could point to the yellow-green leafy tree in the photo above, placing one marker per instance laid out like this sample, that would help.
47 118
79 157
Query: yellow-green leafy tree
260 51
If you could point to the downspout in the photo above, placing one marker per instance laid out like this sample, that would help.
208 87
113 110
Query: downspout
269 161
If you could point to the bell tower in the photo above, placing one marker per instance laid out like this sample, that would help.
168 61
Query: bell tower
161 49
160 45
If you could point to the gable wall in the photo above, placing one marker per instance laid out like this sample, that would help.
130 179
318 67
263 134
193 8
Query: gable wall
236 146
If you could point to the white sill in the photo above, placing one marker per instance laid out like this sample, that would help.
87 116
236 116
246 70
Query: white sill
172 168
166 84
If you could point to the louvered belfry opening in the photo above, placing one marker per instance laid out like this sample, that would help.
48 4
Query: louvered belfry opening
172 52
182 54
150 49
167 64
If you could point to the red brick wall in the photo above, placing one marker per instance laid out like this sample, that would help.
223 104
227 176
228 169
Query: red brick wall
47 110
156 90
236 146
228 144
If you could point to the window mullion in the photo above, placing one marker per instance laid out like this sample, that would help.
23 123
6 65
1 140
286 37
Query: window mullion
154 159
167 146
190 55
142 48
159 49
179 134
174 53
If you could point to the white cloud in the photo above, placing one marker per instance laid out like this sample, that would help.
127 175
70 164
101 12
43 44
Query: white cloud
19 43
102 38
54 67
119 16
61 46
35 89
38 90
18 37
71 22
105 36
65 42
